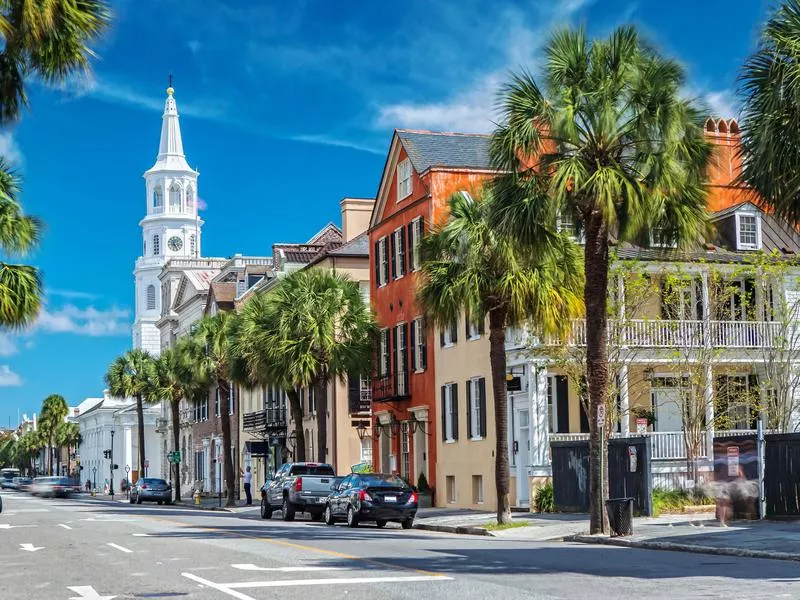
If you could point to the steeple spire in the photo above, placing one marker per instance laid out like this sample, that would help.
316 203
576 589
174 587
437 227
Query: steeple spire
170 148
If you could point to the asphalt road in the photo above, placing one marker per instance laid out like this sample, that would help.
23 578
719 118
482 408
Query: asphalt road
82 548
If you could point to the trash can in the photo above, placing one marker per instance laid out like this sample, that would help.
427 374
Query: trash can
620 516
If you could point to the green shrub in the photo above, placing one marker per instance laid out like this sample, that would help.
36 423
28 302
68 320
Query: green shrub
543 500
422 483
675 500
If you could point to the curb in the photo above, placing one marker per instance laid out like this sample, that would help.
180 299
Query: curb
182 505
459 529
670 546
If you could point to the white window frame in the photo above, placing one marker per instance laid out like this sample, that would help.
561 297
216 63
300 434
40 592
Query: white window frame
475 408
740 245
399 255
156 245
477 482
383 259
448 411
383 352
402 357
419 343
366 450
474 330
405 449
656 243
416 237
150 299
448 336
567 224
404 183
217 403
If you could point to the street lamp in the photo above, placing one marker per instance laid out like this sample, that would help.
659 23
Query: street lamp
94 478
111 488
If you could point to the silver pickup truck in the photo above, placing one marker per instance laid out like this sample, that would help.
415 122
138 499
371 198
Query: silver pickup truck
297 487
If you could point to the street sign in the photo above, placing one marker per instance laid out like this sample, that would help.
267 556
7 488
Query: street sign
733 461
174 457
601 415
641 425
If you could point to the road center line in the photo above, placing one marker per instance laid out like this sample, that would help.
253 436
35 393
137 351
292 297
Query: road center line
218 587
251 567
342 580
64 526
120 548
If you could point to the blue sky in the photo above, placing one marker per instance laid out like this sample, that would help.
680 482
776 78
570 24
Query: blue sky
286 108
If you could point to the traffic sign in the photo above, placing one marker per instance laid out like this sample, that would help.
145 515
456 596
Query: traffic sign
601 415
174 457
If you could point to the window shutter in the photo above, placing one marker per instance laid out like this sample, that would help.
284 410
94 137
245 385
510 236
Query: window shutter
423 333
354 392
394 358
410 229
470 400
481 325
455 411
482 390
413 345
444 413
387 358
562 404
377 264
454 327
405 355
466 324
401 238
394 256
441 337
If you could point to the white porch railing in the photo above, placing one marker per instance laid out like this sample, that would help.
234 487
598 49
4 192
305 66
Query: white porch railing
666 445
658 333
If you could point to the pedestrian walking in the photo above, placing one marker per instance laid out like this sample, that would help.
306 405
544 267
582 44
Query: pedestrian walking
247 477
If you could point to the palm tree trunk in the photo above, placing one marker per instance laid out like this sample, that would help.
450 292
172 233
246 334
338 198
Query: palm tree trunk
227 442
50 455
497 361
176 439
321 397
297 417
140 425
595 294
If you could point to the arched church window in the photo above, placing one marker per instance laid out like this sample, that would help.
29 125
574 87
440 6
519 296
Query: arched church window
189 198
158 200
151 297
156 245
193 245
174 198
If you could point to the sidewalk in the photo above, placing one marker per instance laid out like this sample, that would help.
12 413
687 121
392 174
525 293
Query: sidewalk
540 527
753 539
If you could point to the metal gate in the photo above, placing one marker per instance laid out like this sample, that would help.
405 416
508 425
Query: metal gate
782 474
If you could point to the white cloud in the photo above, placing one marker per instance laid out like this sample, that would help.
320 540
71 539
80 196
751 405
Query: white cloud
9 149
73 294
8 345
326 140
722 103
8 378
84 321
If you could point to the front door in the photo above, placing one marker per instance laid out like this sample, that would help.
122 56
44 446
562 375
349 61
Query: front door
667 403
523 454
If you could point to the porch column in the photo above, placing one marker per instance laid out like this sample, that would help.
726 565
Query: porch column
709 400
539 431
624 404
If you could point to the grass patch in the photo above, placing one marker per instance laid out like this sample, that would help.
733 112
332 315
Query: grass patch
675 500
512 525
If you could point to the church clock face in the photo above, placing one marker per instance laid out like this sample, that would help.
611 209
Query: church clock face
175 243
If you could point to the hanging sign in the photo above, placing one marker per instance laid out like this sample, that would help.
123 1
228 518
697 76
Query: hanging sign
733 461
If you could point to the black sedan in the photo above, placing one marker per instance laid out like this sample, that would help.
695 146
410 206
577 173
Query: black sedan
151 489
377 497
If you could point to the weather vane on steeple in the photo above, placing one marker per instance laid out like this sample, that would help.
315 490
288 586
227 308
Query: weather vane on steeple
170 89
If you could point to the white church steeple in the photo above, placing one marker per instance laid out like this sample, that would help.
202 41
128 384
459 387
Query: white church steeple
170 228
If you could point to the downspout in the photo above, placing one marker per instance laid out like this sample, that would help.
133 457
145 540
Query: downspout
334 445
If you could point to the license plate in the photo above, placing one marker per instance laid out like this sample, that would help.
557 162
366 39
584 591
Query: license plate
390 498
321 500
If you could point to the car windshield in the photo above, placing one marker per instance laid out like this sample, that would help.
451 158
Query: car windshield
313 470
379 480
154 481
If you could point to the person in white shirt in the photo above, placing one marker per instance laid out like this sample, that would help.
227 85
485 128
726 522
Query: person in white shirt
247 477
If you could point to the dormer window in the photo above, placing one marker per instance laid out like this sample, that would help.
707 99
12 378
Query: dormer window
403 179
748 231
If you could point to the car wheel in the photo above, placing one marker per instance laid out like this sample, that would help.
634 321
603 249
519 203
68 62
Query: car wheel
329 520
381 524
287 510
407 524
266 509
352 519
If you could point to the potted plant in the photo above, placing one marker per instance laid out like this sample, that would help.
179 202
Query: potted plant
424 492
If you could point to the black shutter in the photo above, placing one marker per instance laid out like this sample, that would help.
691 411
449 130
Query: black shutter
394 358
482 405
423 330
405 357
354 392
562 404
387 358
402 266
481 325
466 324
444 413
454 327
469 409
455 411
410 230
377 263
413 347
393 257
441 337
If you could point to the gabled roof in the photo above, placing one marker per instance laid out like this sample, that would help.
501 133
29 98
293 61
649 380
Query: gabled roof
358 247
200 282
327 234
428 149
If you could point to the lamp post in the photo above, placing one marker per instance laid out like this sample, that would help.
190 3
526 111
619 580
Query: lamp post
111 487
127 482
94 478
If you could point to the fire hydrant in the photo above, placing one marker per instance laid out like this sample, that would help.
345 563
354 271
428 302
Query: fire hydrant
94 492
196 497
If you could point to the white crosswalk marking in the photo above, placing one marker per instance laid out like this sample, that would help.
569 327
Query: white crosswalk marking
338 580
120 548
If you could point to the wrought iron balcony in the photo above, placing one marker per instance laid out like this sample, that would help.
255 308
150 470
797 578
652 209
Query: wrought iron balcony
162 424
267 419
388 388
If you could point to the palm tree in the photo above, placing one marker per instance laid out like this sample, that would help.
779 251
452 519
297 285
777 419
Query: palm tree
622 153
470 268
129 376
173 380
211 351
45 40
54 411
311 328
771 114
68 435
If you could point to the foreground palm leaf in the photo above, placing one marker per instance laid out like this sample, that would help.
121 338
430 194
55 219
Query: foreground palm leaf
468 267
623 154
